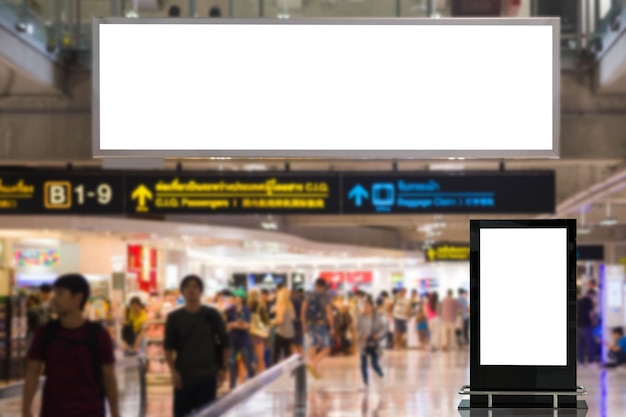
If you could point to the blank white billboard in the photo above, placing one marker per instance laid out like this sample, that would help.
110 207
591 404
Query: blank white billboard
523 297
339 88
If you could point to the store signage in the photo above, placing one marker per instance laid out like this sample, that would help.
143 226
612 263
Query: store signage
142 261
590 253
348 277
507 192
311 102
192 194
47 258
448 252
161 193
427 284
60 193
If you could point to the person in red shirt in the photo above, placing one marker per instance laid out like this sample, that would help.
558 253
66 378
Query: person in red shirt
78 359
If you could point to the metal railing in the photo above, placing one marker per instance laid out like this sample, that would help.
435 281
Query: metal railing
131 380
580 391
294 365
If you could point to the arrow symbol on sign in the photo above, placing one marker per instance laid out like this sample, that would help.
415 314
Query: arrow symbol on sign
358 193
141 194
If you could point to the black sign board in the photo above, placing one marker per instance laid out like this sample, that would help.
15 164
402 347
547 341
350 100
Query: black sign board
61 193
590 253
160 193
196 194
473 8
424 193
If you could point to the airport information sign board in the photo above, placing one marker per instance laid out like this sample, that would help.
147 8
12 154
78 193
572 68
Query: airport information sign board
161 193
590 253
406 193
61 193
197 194
448 252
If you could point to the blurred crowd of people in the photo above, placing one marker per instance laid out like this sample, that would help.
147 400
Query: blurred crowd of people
240 334
590 334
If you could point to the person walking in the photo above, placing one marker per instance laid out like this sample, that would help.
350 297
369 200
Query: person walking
238 319
35 316
197 348
422 328
371 329
284 324
134 331
432 315
317 321
586 322
259 328
450 309
401 315
297 300
464 306
78 358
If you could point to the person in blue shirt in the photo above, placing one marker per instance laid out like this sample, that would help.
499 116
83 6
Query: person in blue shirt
617 350
238 319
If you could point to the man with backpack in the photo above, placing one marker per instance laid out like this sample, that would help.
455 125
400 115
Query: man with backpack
78 358
317 321
197 349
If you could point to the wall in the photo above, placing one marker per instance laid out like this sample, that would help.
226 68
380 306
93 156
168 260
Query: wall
97 255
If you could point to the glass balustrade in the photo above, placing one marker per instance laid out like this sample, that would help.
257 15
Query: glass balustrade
64 26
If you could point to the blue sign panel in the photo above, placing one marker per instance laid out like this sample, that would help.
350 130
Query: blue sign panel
418 193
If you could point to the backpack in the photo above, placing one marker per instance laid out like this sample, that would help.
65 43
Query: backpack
92 336
315 311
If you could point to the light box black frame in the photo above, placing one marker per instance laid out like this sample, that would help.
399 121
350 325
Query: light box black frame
513 377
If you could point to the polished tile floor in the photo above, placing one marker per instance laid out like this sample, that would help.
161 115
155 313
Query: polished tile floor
416 384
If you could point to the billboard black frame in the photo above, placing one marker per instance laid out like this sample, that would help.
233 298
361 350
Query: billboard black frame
522 378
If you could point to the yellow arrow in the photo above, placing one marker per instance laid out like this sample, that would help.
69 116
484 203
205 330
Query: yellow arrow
431 254
141 194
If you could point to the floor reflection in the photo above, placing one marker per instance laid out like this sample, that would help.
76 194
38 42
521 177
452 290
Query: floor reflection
416 384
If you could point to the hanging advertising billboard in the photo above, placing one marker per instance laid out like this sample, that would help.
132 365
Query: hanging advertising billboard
332 88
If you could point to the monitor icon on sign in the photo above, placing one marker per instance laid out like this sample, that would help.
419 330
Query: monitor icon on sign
383 194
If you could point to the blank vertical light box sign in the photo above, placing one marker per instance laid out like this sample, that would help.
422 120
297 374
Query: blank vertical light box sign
523 303
396 88
523 315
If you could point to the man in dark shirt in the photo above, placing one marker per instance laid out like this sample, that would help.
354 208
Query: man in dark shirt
78 373
586 321
238 319
196 350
